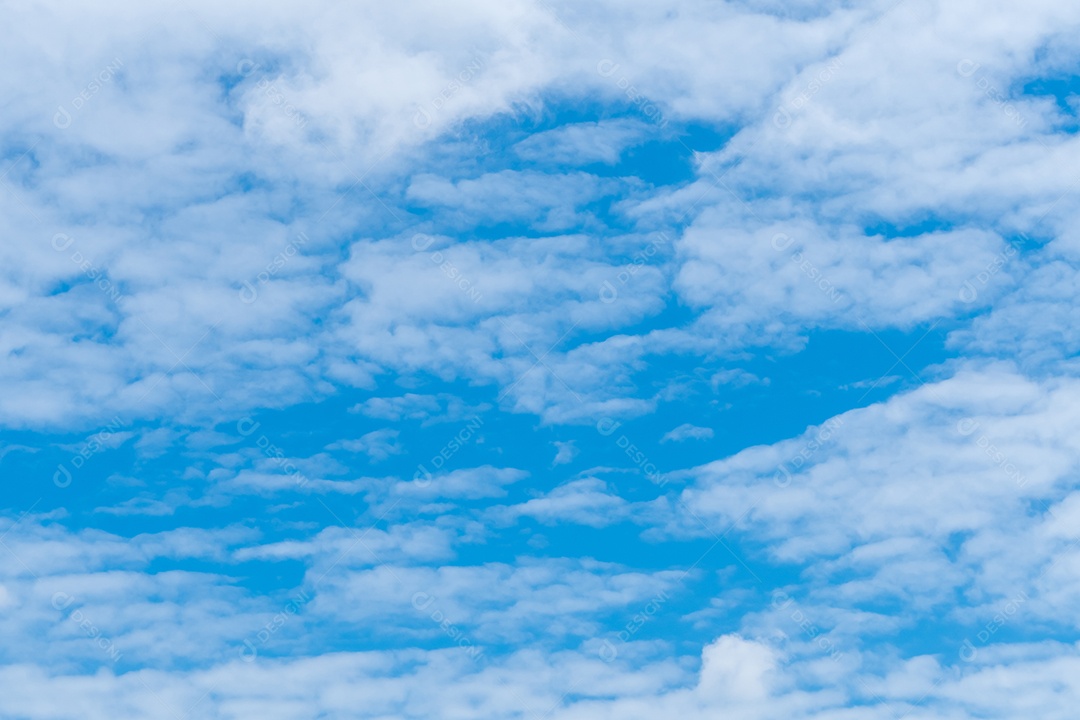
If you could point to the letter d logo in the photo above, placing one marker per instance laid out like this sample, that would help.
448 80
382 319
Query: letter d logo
782 478
608 294
62 477
422 600
61 242
607 651
782 241
606 68
248 653
780 599
966 426
967 68
782 119
61 119
422 477
607 426
248 293
421 119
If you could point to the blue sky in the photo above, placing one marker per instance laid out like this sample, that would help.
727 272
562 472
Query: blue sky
539 360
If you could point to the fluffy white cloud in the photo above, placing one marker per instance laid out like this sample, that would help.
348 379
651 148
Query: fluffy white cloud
959 486
217 209
686 431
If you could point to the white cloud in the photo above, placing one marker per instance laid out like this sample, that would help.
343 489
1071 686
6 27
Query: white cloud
587 501
566 452
377 444
429 409
243 198
686 431
584 143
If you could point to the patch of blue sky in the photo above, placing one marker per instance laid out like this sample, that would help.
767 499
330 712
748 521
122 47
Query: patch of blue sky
1064 90
763 395
604 140
912 227
361 457
835 372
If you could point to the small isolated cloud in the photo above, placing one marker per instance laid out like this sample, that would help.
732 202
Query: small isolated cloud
589 501
566 452
583 143
378 445
879 383
686 431
12 448
139 506
468 483
429 409
735 378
